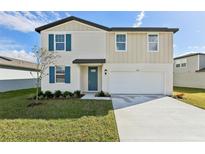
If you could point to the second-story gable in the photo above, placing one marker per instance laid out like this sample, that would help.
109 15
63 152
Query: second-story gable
75 40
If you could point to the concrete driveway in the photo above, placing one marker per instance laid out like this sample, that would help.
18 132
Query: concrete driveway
157 118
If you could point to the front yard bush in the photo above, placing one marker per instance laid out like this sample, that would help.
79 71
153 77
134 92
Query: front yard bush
40 93
57 93
77 94
102 94
67 94
48 94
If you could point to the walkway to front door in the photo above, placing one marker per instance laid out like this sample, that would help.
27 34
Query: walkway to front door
92 78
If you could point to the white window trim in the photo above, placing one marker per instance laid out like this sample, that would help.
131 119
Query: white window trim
60 42
59 74
152 33
177 64
183 66
116 42
61 33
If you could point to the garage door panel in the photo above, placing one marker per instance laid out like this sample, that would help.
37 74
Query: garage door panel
137 82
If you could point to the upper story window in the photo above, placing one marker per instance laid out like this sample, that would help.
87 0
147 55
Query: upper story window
60 42
121 42
60 74
153 42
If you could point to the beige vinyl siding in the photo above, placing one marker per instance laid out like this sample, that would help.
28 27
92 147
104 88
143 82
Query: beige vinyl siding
73 26
190 79
137 49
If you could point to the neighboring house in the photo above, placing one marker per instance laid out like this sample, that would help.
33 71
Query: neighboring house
189 70
16 74
118 60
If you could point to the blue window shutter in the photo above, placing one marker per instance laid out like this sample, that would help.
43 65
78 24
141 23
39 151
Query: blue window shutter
68 42
50 42
67 74
51 74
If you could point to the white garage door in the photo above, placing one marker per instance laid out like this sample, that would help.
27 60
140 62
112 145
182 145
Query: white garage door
136 83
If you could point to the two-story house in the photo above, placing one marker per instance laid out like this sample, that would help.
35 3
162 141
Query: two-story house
189 70
118 60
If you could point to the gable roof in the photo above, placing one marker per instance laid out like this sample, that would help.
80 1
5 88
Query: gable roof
58 22
11 63
163 29
188 55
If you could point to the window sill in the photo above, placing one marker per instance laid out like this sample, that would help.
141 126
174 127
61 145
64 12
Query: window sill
60 83
153 51
61 51
121 51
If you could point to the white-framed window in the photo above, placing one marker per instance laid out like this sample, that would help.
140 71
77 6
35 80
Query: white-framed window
121 42
60 42
183 64
153 42
177 65
60 74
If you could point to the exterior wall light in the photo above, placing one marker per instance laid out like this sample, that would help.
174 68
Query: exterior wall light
105 71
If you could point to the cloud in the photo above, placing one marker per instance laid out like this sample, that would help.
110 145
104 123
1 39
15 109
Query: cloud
25 21
195 47
10 48
191 49
19 54
7 44
139 19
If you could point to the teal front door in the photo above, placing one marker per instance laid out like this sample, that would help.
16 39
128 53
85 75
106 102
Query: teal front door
92 78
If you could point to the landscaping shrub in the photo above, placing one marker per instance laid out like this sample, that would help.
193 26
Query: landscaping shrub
48 94
40 93
67 94
57 93
102 94
77 94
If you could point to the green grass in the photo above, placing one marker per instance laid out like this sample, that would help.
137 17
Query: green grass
55 120
192 96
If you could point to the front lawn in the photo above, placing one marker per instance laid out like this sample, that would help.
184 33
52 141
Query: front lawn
192 96
55 120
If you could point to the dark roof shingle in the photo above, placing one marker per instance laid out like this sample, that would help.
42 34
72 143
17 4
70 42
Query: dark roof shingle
163 29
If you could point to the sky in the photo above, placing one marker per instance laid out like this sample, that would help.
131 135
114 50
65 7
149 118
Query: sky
18 36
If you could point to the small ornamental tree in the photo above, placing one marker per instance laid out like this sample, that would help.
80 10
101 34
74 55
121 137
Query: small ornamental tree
44 59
